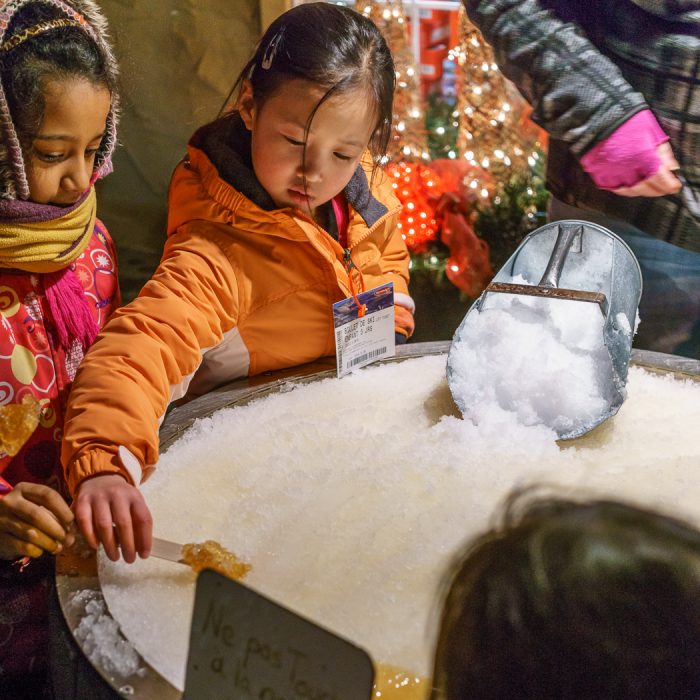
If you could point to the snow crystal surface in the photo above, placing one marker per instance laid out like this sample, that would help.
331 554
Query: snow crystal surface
100 637
543 359
350 497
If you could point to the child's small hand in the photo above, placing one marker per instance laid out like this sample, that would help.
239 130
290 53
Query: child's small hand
112 512
34 519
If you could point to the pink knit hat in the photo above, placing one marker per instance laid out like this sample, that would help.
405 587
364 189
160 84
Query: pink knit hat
87 15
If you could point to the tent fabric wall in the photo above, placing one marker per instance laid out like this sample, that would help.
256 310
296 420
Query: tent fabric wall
179 60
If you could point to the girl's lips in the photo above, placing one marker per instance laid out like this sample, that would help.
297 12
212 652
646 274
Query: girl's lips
68 199
299 198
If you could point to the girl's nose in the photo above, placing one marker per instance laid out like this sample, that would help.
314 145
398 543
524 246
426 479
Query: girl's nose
77 179
310 170
312 175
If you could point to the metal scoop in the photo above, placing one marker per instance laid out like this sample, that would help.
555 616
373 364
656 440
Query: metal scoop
582 262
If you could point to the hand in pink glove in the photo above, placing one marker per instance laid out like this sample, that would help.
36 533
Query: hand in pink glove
635 160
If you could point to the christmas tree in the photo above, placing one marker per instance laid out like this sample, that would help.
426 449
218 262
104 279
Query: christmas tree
408 136
494 132
480 149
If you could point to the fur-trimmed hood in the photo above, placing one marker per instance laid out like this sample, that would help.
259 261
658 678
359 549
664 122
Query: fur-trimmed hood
13 177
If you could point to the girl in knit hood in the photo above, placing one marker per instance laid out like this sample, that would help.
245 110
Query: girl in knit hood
58 284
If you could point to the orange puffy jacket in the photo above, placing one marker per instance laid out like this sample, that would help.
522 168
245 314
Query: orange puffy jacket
240 290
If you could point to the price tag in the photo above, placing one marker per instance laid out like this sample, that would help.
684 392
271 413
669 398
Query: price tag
361 340
243 645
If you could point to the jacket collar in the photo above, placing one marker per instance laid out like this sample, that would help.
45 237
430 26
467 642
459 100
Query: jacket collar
226 142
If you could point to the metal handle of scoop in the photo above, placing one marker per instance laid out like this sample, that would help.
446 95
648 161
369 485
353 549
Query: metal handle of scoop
562 246
549 284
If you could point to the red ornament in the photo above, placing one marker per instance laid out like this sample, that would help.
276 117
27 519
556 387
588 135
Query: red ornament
436 203
468 267
418 188
466 180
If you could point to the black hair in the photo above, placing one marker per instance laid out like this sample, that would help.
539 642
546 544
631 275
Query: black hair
56 54
333 47
568 599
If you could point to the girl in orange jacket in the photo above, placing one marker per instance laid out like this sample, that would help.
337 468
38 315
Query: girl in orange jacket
277 211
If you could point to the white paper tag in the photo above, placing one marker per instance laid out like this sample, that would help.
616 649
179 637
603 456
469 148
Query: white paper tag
362 340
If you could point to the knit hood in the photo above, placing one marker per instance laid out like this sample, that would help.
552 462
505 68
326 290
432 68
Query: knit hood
13 174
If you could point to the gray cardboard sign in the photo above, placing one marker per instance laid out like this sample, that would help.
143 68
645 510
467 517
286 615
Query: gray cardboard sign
244 646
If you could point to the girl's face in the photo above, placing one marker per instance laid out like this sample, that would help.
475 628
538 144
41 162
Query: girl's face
340 132
62 157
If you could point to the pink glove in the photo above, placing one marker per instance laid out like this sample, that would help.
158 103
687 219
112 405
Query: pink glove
628 156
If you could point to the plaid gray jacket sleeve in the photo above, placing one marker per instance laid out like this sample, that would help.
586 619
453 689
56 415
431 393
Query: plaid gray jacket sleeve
578 95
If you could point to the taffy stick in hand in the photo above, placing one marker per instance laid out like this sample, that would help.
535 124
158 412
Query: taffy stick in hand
17 423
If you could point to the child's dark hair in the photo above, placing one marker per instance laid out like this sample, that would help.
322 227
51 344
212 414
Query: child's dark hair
573 600
42 44
332 46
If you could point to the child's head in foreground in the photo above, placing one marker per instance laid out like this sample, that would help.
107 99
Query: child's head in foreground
57 100
572 599
315 95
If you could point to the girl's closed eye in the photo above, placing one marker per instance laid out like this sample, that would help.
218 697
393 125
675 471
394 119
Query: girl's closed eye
294 142
58 157
342 156
49 157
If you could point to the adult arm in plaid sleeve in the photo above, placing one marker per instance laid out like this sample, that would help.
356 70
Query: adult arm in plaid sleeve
578 96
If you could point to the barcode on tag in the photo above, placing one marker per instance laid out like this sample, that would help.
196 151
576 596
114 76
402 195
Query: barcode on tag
367 356
363 339
338 345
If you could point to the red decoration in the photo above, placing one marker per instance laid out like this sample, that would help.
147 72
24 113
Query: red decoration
418 188
468 267
436 205
469 182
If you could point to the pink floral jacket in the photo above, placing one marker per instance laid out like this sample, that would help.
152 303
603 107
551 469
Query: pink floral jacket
33 362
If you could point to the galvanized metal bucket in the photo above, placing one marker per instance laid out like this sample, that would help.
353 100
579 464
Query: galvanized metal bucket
573 257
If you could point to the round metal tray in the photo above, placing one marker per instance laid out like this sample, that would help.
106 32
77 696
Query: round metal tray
75 676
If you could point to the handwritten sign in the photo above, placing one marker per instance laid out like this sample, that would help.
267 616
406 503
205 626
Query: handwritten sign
244 646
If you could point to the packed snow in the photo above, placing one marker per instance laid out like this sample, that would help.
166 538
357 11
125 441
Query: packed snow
543 359
350 497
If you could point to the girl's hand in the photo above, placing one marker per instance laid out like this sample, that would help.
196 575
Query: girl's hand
112 512
34 519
